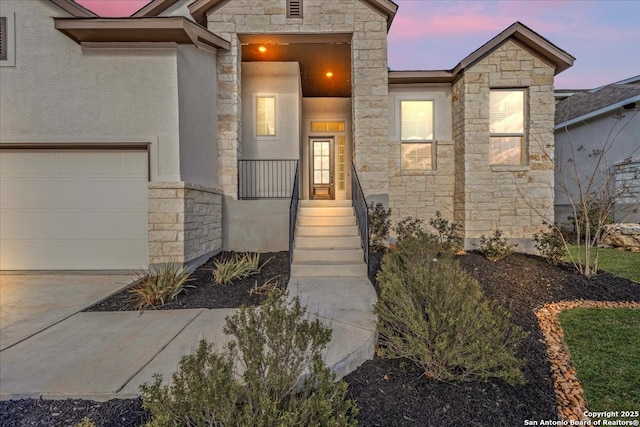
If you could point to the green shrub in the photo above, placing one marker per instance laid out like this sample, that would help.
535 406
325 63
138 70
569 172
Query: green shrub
237 267
160 285
550 244
432 313
408 227
496 247
449 233
285 382
86 422
379 224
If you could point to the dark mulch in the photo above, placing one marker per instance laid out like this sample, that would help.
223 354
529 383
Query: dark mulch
204 293
394 393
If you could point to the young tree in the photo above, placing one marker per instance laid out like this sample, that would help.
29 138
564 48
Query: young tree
585 175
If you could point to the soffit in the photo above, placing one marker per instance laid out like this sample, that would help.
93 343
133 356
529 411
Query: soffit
316 55
139 30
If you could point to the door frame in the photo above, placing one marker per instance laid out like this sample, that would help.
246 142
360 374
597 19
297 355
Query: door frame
332 187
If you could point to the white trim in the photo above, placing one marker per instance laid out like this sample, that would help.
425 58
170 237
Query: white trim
599 112
11 41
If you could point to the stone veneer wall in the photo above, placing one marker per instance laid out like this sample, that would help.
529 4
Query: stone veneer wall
513 199
421 194
369 77
185 222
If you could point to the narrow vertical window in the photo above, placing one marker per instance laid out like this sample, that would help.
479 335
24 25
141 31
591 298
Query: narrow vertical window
416 135
3 38
294 8
341 164
266 116
506 127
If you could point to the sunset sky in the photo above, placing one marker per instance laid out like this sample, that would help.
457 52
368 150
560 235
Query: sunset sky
604 35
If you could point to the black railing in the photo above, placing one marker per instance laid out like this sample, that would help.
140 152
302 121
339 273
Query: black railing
362 212
266 179
293 214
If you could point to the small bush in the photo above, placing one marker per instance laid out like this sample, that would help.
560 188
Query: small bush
550 244
432 313
496 247
285 382
86 422
408 227
237 267
160 285
379 224
449 233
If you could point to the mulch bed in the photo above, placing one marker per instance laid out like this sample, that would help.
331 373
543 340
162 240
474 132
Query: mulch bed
202 292
395 393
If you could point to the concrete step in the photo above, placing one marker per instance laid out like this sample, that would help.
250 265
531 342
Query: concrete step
315 221
329 269
334 255
325 211
327 242
325 203
321 231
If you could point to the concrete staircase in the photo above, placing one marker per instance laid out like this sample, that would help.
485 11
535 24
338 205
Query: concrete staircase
327 242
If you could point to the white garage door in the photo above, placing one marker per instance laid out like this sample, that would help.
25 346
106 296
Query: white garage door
68 209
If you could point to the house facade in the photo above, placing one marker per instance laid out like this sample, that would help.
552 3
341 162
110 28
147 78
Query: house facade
605 118
179 131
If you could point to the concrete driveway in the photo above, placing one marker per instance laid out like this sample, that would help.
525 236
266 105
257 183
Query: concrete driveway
30 303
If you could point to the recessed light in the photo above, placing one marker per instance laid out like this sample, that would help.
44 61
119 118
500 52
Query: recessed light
262 49
329 74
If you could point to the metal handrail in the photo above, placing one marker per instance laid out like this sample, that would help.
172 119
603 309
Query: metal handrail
293 213
265 179
362 211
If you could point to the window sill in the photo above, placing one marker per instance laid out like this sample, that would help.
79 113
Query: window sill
510 168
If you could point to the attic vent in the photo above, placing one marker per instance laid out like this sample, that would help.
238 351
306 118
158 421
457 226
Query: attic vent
3 39
294 8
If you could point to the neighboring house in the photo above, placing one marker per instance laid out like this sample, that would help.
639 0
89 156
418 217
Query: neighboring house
606 118
175 133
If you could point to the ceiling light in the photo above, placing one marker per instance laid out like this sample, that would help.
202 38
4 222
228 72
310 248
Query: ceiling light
262 49
329 74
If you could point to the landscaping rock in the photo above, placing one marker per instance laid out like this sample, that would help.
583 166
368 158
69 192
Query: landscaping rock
623 235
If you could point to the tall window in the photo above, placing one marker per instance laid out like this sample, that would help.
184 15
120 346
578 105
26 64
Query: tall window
506 126
416 135
265 115
3 38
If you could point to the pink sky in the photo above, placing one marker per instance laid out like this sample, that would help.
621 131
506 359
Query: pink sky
603 35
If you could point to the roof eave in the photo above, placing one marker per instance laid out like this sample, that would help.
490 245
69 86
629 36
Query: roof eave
420 77
597 113
154 8
176 29
560 59
73 8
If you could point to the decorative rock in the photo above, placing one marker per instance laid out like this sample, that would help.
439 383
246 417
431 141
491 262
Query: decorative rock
569 393
623 235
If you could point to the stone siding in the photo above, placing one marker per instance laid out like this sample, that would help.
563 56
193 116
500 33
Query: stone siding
513 199
369 77
185 222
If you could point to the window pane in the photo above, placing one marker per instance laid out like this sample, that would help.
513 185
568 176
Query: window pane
416 156
505 151
506 111
416 120
266 116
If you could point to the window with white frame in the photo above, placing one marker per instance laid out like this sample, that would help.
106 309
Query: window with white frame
3 38
507 126
416 135
265 115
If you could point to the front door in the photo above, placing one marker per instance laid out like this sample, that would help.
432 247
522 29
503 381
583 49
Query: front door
322 187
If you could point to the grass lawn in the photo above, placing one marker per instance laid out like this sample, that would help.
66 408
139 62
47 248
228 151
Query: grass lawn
605 349
621 263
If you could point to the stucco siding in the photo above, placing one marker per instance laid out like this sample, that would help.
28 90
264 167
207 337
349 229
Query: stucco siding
61 92
197 97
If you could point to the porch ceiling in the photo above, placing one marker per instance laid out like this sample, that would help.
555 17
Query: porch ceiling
316 54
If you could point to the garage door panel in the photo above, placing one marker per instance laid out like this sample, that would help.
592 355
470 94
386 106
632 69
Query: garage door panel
82 210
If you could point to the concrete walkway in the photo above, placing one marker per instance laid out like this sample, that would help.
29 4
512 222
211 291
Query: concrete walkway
62 352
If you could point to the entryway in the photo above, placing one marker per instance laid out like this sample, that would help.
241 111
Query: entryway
322 175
